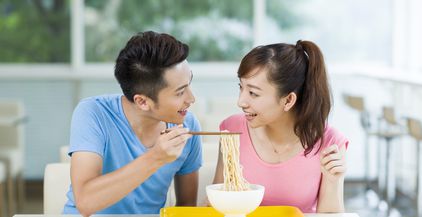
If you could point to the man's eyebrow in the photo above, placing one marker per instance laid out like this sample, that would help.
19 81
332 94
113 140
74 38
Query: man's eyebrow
181 87
253 86
184 86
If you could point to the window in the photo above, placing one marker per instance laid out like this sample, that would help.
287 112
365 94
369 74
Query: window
215 30
38 31
34 31
346 31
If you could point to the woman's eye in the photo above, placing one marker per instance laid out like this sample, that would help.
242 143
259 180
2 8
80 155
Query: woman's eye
253 94
240 86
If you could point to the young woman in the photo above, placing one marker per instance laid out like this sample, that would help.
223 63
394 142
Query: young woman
286 144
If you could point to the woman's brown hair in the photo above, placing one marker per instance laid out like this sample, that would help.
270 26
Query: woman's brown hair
300 69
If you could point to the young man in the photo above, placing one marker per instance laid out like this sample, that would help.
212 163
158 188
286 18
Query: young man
122 162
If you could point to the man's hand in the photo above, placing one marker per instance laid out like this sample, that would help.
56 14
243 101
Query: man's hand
170 145
333 163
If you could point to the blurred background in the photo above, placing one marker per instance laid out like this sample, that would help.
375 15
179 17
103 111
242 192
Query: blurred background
55 52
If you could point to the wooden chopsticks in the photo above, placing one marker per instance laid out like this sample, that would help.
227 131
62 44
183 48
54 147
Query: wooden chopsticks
207 133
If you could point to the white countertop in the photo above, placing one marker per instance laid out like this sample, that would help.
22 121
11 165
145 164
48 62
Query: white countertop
306 215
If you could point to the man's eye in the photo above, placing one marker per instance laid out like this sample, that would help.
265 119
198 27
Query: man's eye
180 93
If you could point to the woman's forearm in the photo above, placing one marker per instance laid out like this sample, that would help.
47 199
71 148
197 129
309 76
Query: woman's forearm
330 197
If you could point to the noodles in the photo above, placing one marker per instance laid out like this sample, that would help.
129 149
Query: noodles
233 178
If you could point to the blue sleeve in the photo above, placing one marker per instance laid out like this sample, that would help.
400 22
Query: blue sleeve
85 131
194 159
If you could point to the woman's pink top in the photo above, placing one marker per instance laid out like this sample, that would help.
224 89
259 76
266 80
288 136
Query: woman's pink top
294 182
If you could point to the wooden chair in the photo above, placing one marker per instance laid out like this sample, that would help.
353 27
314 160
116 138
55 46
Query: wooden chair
2 192
56 185
12 119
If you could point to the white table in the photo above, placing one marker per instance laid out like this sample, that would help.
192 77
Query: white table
306 215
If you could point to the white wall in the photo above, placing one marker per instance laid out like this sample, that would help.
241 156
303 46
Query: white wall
50 102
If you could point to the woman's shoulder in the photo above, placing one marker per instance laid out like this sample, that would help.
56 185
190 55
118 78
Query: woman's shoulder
334 136
235 121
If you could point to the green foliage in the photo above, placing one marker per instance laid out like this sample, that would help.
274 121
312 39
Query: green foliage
34 31
38 31
183 19
284 15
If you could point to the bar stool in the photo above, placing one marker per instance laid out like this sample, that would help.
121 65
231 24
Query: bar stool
357 103
390 131
415 130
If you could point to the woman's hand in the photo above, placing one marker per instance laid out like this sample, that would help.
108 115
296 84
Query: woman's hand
333 163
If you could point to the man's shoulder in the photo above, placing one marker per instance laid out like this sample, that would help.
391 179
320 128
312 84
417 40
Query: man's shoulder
104 100
101 98
190 119
98 106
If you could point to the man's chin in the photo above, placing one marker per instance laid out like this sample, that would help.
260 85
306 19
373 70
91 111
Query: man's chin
175 121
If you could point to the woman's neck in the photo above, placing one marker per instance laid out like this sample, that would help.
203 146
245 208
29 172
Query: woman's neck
281 132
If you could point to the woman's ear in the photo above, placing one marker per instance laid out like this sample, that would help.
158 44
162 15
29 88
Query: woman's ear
142 102
289 101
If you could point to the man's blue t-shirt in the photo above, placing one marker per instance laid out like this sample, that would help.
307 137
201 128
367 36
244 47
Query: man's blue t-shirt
100 126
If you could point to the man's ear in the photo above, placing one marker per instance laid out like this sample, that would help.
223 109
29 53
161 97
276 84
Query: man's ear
142 102
288 101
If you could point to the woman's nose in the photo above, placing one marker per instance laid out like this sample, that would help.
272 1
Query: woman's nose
241 102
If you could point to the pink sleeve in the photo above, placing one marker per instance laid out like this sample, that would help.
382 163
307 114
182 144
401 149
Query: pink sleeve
223 125
332 136
340 139
230 123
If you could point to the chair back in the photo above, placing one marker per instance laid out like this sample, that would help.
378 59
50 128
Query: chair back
389 116
355 102
415 128
11 130
2 192
2 174
10 108
56 186
64 157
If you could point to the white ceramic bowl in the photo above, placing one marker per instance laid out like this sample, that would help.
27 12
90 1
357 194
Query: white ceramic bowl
235 203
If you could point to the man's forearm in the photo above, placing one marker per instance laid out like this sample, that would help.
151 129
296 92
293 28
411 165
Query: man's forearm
103 191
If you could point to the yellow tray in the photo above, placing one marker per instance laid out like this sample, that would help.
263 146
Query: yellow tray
262 211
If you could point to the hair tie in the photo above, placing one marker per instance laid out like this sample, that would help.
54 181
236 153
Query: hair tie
299 47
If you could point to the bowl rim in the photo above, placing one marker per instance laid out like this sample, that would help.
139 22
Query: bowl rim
257 187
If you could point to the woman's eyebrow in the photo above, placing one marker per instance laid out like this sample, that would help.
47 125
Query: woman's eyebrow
253 86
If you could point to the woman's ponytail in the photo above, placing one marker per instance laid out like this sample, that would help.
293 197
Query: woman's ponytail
314 103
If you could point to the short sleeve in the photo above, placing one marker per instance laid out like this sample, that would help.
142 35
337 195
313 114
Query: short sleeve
333 136
194 159
223 125
233 123
85 131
